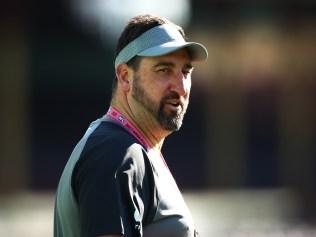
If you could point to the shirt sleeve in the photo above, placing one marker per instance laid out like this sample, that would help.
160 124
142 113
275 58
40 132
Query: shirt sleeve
108 184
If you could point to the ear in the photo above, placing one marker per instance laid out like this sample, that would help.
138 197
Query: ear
124 75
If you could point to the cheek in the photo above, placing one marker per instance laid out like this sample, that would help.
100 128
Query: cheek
157 87
187 85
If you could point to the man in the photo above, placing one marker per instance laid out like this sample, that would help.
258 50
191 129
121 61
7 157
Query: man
116 182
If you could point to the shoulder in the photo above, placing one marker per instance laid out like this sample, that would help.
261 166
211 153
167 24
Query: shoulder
110 147
110 154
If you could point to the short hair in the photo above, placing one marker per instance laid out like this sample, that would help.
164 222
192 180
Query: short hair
134 28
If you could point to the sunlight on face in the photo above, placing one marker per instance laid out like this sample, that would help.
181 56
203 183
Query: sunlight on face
170 121
168 110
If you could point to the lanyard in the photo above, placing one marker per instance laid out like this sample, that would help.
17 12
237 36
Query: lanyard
118 117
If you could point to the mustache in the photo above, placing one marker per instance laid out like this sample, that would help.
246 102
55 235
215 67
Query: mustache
171 96
174 98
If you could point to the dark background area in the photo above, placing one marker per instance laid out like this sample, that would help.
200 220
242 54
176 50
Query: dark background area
251 123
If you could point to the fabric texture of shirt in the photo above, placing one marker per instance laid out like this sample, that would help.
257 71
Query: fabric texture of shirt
113 185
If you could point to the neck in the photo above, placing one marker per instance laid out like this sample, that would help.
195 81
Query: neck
145 123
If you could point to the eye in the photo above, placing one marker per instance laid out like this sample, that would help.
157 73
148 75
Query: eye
187 72
164 70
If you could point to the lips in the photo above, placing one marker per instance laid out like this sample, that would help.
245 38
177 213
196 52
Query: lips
173 102
174 105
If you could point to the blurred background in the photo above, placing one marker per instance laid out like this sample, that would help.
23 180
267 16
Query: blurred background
245 156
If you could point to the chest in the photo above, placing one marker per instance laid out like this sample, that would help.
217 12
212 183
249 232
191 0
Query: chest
172 217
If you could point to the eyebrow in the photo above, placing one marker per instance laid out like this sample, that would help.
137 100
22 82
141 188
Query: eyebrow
171 64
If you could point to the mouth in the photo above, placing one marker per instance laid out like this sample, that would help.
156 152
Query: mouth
174 105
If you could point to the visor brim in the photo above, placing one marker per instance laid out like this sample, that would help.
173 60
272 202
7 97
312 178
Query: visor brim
197 51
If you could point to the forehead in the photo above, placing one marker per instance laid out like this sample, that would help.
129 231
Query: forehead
180 57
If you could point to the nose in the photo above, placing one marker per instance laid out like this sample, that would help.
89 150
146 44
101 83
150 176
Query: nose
181 84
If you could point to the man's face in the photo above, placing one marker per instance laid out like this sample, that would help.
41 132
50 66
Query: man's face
162 86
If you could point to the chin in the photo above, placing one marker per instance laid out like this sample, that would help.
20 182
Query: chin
171 124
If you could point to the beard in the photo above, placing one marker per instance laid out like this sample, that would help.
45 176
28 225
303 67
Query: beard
171 121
